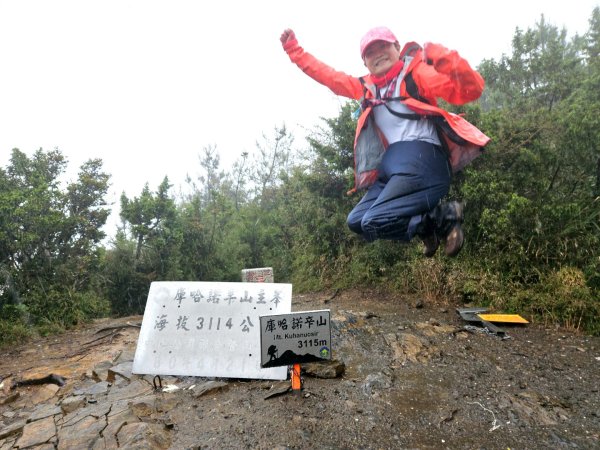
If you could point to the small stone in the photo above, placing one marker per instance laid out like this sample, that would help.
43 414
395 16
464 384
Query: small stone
72 403
208 387
278 389
325 369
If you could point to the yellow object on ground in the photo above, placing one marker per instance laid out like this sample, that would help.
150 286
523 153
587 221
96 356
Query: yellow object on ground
504 318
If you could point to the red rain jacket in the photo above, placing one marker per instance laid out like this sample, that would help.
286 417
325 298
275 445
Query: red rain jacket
443 74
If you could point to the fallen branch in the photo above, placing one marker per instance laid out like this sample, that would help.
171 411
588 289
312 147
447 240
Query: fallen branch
335 293
48 379
112 334
119 327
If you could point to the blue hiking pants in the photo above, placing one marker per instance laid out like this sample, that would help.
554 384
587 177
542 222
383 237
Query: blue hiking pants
413 177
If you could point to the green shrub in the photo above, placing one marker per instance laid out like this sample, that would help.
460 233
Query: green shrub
13 325
13 332
65 308
562 298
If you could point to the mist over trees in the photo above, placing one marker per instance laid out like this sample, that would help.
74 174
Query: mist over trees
532 211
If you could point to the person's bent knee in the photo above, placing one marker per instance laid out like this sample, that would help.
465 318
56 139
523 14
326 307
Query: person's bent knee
353 223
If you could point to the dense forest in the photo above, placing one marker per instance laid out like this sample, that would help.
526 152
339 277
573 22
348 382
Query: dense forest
532 217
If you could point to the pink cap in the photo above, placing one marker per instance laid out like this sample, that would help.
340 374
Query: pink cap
376 34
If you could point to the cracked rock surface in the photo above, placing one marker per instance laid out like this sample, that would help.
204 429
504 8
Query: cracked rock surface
402 377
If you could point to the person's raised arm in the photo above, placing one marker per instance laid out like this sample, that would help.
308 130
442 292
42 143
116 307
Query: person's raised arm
339 82
448 75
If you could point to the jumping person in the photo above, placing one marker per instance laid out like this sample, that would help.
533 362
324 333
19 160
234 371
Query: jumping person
405 147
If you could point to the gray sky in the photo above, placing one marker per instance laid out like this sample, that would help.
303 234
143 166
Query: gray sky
146 85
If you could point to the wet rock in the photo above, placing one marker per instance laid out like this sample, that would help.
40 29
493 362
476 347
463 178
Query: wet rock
122 370
119 407
13 428
408 348
135 389
115 421
126 355
37 433
144 435
41 394
72 403
100 371
376 381
43 411
208 387
49 446
97 388
434 327
277 389
82 434
166 403
94 411
325 369
144 408
10 398
534 409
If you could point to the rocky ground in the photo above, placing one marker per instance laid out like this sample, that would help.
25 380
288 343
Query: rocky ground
407 374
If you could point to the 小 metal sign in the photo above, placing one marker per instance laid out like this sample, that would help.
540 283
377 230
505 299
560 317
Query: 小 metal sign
298 337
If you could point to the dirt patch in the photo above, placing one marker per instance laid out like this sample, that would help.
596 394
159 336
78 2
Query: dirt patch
413 377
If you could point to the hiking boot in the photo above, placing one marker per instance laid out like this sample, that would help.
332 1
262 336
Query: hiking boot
426 231
454 236
431 242
454 240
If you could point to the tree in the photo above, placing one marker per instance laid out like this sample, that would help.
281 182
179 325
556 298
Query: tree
50 237
272 159
542 70
148 215
153 253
